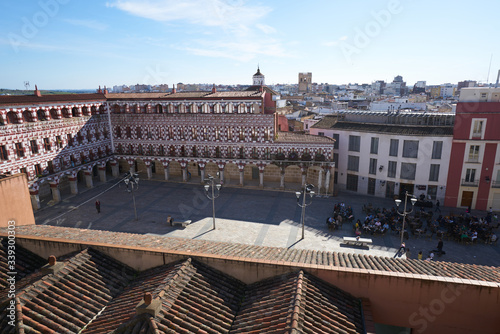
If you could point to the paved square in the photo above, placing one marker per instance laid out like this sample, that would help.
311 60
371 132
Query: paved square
243 215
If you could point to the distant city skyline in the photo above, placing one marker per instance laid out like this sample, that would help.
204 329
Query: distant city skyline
64 44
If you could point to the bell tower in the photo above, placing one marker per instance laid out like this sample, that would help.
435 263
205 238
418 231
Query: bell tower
258 78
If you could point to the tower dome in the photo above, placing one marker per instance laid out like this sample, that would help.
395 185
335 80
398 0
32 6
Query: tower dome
258 78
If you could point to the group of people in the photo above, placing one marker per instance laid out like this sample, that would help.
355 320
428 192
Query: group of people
341 213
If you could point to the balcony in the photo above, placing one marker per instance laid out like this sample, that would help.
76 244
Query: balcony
469 183
495 184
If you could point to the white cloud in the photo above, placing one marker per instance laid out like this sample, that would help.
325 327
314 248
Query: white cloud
213 13
266 29
238 20
92 24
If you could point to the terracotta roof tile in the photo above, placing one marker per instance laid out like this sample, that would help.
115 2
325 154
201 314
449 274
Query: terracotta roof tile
26 263
66 300
11 100
365 262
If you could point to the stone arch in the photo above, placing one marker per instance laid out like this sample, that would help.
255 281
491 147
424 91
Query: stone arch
272 173
313 175
11 118
74 112
65 112
293 177
117 109
41 115
53 114
251 174
85 111
27 116
159 109
231 174
93 110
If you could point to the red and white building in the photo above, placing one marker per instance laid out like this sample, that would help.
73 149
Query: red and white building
474 180
63 141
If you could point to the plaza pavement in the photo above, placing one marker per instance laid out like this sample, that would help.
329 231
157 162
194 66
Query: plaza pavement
243 215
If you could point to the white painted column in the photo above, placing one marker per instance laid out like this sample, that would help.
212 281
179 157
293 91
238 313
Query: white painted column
221 175
327 181
73 185
56 194
202 172
115 169
320 180
241 177
167 171
102 173
35 200
282 179
149 171
261 178
88 179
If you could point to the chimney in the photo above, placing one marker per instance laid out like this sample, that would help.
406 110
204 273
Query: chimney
99 91
37 92
214 90
173 89
53 267
105 90
149 305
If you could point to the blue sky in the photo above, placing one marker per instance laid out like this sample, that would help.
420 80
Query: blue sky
77 44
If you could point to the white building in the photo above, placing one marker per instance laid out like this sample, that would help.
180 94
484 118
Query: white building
385 160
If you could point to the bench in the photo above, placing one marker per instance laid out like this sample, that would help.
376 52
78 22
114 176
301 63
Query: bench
181 223
358 242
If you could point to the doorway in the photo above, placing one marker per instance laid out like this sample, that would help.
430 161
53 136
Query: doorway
467 197
405 187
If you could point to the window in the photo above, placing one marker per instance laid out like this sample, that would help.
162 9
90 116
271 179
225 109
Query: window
352 182
408 171
374 145
336 137
242 134
34 147
474 153
69 138
138 133
393 150
59 142
391 169
470 175
129 132
230 133
46 144
217 134
354 143
336 159
477 128
3 153
373 166
19 150
38 170
434 173
410 149
437 148
353 163
118 132
321 133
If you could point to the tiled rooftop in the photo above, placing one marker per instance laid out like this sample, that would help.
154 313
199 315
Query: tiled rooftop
25 263
298 303
409 130
9 100
68 299
254 252
293 137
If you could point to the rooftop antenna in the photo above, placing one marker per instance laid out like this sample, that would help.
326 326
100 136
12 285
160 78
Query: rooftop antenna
488 78
27 85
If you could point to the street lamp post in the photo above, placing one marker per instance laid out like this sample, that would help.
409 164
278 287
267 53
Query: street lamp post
413 200
211 184
132 180
307 190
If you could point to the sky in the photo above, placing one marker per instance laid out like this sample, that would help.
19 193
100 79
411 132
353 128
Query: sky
76 44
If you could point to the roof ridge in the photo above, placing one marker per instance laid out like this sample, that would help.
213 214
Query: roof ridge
297 303
174 284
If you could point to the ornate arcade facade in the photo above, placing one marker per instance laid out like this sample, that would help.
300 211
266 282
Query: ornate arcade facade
67 141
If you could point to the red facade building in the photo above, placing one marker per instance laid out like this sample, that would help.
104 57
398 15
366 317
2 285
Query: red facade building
474 175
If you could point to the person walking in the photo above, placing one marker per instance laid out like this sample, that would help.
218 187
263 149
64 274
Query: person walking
438 208
98 206
440 247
